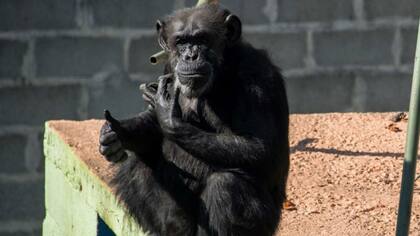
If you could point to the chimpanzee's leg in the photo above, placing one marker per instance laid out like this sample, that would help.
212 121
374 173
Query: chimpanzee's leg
233 205
156 210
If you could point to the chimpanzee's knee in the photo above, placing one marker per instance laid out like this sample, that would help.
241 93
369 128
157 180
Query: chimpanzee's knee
234 205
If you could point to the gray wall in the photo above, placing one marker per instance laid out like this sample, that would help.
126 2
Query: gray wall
70 59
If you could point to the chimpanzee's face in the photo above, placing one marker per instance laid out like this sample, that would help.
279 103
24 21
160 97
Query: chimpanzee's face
196 39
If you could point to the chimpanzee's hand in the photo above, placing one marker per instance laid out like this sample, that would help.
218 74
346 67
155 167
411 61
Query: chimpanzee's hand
167 108
149 92
109 141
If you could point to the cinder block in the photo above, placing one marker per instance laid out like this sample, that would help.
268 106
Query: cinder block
256 12
11 57
85 56
250 11
140 51
392 8
22 233
373 47
12 154
320 93
117 94
234 6
22 201
129 13
34 14
287 50
309 10
383 92
409 37
33 105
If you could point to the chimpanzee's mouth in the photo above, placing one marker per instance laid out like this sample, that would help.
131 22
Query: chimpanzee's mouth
193 80
191 74
193 70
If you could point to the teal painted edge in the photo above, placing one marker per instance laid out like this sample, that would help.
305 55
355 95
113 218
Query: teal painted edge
93 190
410 156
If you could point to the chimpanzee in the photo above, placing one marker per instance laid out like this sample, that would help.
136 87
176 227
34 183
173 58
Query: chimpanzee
211 153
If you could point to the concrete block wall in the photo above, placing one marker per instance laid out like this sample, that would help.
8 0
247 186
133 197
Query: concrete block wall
70 59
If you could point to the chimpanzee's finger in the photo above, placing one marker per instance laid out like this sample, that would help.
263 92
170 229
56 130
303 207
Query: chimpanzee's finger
176 109
149 100
152 86
148 93
162 92
142 87
121 155
108 138
162 84
107 150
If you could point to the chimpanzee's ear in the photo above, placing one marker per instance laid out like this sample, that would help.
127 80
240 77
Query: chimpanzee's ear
162 39
234 28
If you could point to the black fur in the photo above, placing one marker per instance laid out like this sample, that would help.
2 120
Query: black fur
208 163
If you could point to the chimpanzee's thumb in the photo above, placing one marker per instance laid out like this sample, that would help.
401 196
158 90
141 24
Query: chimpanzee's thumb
115 124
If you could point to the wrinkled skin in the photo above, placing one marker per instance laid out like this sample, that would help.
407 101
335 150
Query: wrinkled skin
211 152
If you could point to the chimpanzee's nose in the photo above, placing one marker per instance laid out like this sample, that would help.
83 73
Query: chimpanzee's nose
191 54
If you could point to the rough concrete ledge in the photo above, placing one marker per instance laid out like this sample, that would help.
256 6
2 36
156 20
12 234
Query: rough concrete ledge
77 193
344 178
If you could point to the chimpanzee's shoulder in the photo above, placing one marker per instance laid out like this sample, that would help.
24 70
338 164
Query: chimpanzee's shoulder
256 73
255 63
255 66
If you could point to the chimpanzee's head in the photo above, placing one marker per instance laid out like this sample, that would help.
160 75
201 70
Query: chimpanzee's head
196 39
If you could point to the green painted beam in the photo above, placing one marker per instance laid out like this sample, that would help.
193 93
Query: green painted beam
411 148
75 196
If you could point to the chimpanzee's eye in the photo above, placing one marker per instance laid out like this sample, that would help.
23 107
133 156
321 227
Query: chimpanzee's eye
177 40
180 40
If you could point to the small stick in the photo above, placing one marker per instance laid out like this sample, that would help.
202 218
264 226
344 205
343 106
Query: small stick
159 57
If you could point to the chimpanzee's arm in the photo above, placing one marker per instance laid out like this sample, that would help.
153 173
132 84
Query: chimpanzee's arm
222 149
249 142
141 134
